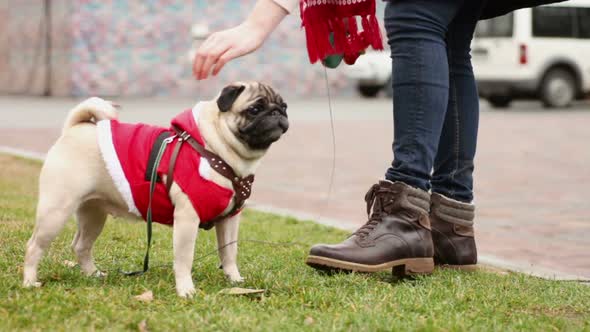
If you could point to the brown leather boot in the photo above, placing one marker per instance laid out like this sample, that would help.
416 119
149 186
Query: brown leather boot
396 236
452 232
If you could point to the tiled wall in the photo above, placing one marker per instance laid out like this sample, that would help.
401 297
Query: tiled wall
23 47
139 48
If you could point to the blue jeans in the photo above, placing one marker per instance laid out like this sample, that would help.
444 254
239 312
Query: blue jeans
436 106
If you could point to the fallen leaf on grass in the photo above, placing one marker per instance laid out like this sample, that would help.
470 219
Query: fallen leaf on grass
142 326
241 291
69 263
308 321
145 297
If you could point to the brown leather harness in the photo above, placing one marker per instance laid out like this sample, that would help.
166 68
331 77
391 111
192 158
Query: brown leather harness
242 186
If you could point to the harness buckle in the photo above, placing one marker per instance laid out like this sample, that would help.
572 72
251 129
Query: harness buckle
169 140
184 136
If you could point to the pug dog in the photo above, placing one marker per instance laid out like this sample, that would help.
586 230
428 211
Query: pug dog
88 173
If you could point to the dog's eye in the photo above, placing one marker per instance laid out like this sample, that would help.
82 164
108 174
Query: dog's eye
254 110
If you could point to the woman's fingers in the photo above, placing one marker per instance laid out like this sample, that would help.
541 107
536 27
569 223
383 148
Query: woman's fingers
214 57
223 59
209 54
224 46
197 64
203 53
209 61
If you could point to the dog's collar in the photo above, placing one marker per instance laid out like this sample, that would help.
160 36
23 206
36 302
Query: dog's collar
242 185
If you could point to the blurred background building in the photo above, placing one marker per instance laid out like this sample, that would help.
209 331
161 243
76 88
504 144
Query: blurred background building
140 48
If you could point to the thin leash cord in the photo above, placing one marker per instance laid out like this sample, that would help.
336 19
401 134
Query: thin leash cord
333 131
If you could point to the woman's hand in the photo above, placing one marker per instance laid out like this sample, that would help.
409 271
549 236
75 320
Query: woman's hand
223 46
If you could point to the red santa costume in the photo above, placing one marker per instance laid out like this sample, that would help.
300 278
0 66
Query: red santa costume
126 150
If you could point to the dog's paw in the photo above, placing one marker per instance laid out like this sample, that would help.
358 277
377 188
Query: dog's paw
98 274
32 284
235 278
232 273
92 271
186 293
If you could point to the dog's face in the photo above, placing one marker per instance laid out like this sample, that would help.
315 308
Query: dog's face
255 113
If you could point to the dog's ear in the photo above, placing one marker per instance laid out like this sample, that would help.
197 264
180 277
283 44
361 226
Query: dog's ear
228 96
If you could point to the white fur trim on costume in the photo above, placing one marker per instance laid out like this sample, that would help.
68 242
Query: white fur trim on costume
204 166
196 109
109 155
205 169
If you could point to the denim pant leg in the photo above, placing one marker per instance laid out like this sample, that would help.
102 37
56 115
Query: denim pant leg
416 32
453 165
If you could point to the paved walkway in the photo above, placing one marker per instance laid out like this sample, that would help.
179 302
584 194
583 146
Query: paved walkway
532 169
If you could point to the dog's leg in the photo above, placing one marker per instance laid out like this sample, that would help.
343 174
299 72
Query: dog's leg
52 214
227 237
186 227
91 219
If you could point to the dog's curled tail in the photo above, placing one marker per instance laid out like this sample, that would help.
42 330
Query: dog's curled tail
91 110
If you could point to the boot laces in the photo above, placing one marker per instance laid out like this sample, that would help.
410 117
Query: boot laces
385 195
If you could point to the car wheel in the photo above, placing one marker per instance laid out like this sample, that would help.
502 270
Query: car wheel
369 91
500 101
558 88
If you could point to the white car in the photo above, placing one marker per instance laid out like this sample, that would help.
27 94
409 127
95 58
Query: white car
372 71
540 53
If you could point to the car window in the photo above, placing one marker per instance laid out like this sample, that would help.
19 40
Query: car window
584 22
502 26
554 22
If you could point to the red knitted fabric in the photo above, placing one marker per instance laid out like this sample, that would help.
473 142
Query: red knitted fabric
321 17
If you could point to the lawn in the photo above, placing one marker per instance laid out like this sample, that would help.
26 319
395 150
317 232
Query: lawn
296 297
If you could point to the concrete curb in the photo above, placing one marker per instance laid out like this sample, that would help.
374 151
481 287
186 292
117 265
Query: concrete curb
521 267
531 269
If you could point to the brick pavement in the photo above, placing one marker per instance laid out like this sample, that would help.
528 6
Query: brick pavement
532 168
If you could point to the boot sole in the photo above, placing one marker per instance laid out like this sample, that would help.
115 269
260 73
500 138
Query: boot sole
400 267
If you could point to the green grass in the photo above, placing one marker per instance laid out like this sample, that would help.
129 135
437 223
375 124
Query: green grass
447 300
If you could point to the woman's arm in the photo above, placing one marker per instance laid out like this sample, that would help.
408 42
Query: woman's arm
223 46
289 5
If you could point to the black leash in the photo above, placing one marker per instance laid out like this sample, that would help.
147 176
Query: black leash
153 177
153 182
